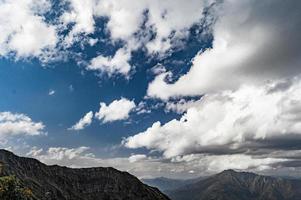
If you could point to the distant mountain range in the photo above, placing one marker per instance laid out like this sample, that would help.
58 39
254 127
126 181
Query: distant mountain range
232 185
166 184
62 183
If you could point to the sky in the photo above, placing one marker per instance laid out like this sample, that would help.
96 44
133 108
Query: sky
157 88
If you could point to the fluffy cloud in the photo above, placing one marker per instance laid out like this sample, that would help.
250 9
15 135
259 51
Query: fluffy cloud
60 155
119 63
249 116
168 19
230 121
12 124
254 41
81 14
117 110
154 25
23 29
83 122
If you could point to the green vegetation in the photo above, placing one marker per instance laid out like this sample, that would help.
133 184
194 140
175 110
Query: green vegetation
11 189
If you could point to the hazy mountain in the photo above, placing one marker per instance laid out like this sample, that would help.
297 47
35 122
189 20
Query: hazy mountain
231 185
62 183
164 183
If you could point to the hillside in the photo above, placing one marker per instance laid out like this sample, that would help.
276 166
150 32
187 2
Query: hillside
62 183
232 185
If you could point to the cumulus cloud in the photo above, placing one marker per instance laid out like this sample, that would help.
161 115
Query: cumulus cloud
254 41
249 115
239 120
119 63
13 124
153 25
117 110
80 13
168 19
23 29
83 122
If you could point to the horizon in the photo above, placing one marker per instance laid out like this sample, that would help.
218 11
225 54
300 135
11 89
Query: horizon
167 88
167 178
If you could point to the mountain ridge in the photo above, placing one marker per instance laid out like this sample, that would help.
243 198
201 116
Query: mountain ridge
166 184
232 185
62 183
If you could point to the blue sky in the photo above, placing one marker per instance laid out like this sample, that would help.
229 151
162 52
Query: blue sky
157 88
27 85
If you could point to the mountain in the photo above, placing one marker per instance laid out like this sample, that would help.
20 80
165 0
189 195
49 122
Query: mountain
232 185
165 184
62 183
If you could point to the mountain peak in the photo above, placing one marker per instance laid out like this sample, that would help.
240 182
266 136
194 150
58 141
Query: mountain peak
232 172
229 171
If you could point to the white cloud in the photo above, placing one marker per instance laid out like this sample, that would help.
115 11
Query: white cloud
152 25
124 17
56 154
218 163
34 152
81 14
249 47
117 110
142 108
168 21
83 122
251 81
12 124
181 106
23 29
51 92
119 63
92 41
137 158
229 121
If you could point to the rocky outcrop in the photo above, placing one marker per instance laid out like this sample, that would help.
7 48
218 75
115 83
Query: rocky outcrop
62 183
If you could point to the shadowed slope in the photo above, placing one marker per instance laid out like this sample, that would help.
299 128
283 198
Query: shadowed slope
62 183
231 185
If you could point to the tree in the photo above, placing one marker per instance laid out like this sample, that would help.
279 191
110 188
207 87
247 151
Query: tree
11 189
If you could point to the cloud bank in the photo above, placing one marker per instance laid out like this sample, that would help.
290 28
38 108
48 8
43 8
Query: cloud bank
254 41
229 120
14 124
250 86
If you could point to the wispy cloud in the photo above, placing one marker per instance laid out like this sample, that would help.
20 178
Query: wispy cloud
51 92
83 122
